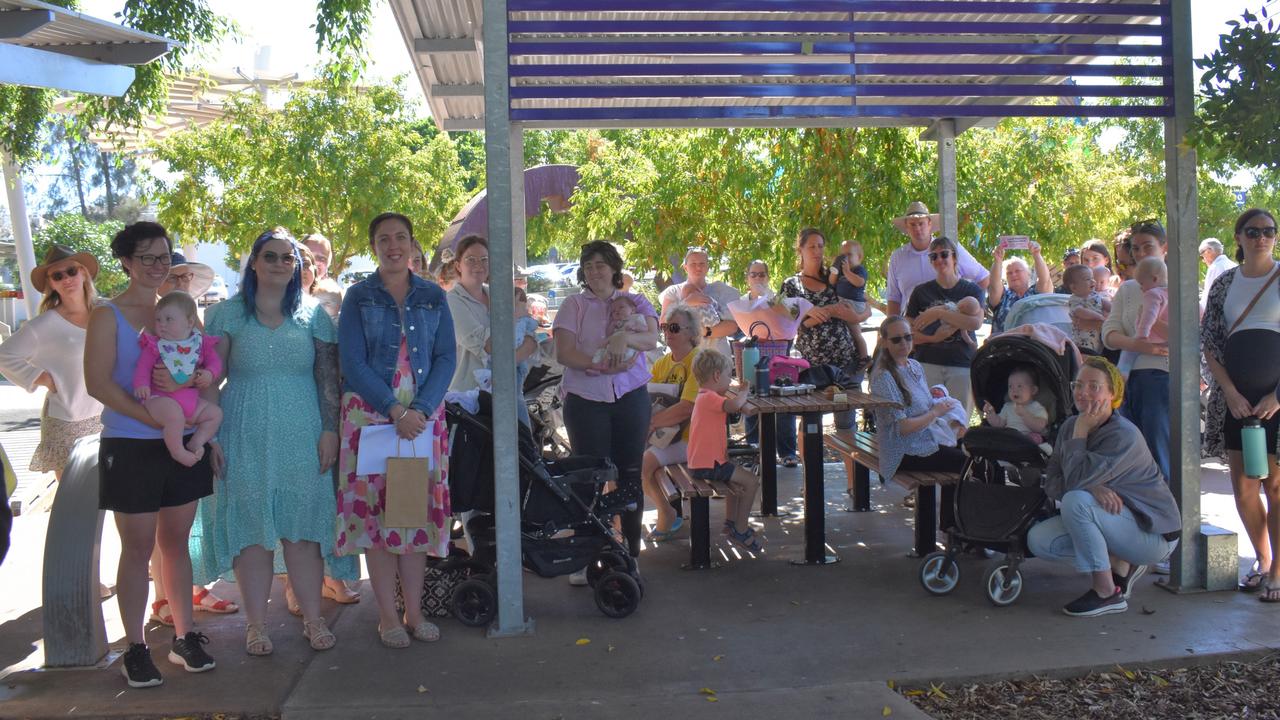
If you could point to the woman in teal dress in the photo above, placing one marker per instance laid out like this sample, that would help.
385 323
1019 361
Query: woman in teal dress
278 437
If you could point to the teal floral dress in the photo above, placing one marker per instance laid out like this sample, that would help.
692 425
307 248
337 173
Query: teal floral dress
273 489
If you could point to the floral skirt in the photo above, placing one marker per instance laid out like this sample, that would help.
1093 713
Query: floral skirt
57 437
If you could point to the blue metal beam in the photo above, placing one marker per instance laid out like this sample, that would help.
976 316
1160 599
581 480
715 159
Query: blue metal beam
623 45
818 112
842 6
531 92
842 27
820 69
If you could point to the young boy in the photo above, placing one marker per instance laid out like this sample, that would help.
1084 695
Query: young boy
850 278
709 450
1085 303
1153 320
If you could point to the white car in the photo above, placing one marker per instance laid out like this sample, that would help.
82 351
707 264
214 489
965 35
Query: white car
216 293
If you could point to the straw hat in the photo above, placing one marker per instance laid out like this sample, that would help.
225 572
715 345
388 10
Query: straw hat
58 253
202 274
917 209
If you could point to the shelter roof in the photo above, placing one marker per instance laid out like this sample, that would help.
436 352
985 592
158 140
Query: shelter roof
687 63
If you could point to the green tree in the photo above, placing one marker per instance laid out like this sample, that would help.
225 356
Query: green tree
330 160
74 231
1240 88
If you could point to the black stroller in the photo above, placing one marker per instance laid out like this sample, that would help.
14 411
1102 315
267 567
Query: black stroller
564 524
1000 496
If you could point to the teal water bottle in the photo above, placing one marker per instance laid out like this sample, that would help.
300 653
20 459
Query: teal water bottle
1253 441
750 358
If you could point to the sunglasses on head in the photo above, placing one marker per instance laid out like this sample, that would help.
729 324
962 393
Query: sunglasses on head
1146 227
944 254
899 339
1253 233
58 275
671 327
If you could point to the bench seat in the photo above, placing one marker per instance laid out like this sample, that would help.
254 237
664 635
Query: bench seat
679 483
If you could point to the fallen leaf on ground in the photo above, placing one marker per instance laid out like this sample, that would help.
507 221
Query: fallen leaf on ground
422 689
718 658
886 712
707 691
583 641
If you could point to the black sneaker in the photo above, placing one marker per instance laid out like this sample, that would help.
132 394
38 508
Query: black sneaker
1091 604
188 653
1126 583
138 669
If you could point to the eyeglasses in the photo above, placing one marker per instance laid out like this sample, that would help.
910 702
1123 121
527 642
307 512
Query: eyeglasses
1253 233
149 260
899 339
272 257
1092 387
476 260
758 274
181 277
944 254
674 328
58 275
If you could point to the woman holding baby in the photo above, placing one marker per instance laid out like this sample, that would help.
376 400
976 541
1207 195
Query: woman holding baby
606 411
944 314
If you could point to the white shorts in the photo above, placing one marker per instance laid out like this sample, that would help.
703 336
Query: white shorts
673 454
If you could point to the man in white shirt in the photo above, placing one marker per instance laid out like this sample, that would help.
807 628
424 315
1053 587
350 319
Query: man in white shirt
909 265
696 265
1216 260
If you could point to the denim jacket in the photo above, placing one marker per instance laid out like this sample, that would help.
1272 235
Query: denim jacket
369 330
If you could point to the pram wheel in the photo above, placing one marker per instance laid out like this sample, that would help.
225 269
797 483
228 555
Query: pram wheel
939 573
474 603
617 594
605 563
1003 583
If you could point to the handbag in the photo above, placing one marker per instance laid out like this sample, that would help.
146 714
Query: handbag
767 346
824 376
1254 301
408 492
441 577
786 367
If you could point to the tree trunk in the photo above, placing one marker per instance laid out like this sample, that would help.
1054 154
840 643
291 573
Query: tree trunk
106 181
77 173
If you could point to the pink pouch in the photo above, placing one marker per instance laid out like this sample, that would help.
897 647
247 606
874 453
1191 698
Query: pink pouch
781 366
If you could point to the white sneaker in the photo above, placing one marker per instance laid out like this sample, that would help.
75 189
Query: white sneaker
579 578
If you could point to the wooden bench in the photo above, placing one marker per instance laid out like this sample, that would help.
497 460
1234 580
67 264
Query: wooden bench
860 452
679 483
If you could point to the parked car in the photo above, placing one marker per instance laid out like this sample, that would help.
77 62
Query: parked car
216 293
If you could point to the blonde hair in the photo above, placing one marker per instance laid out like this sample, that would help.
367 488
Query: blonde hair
52 299
1114 379
181 301
1153 266
320 240
707 365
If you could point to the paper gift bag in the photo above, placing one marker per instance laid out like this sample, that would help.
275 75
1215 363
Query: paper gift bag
408 492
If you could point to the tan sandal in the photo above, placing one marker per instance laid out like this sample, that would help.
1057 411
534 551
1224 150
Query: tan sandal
394 637
341 594
319 634
256 641
426 632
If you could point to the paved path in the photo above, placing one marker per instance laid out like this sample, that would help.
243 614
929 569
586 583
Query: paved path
19 435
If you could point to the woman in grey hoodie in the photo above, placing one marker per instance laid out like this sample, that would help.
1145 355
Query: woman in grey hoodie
1118 515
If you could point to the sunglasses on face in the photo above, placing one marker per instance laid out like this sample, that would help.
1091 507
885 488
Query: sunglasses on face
1253 233
673 328
899 339
944 254
271 258
58 275
149 260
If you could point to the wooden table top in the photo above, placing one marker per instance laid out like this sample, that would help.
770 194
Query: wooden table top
814 402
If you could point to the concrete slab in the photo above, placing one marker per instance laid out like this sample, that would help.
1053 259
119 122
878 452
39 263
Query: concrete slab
762 634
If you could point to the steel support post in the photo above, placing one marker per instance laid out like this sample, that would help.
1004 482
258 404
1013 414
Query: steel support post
947 179
499 172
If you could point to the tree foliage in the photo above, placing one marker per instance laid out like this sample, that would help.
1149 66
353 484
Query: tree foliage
330 160
1241 90
76 232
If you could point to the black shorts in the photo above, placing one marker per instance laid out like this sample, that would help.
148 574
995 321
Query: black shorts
722 472
1253 380
139 476
1231 427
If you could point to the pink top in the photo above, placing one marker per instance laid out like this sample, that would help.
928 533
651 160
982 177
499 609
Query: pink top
587 317
708 443
1155 307
187 397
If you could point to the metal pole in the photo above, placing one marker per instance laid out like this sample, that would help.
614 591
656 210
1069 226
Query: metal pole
519 246
1188 563
498 181
21 232
947 179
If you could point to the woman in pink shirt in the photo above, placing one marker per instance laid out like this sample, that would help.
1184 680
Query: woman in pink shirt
606 413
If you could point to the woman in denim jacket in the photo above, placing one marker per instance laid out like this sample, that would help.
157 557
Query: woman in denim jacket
395 338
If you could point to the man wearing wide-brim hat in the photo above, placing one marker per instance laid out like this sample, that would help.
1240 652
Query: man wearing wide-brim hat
193 278
909 265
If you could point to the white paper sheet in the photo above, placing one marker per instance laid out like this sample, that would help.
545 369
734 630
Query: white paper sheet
379 442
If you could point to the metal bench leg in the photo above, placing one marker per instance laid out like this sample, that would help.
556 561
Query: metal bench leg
926 520
815 519
768 465
861 490
699 534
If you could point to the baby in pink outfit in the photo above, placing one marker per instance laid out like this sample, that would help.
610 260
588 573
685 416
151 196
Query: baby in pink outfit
1153 320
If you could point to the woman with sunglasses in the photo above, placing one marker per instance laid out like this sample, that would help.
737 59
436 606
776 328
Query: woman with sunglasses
1118 515
48 351
278 438
945 313
1236 333
1144 364
903 433
152 495
606 414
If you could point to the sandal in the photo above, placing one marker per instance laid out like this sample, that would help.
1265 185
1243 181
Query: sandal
426 631
205 600
395 637
162 613
256 641
1253 581
1270 593
658 536
291 601
746 540
341 594
319 634
791 461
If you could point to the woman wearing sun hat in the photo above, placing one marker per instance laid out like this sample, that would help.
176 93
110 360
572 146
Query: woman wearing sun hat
192 278
48 351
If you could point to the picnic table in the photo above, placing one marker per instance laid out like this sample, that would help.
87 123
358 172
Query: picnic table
810 407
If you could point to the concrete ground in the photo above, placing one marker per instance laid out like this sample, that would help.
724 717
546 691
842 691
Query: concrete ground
762 635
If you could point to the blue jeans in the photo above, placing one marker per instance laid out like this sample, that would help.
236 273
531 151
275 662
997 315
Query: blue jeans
616 430
1088 535
784 426
1146 404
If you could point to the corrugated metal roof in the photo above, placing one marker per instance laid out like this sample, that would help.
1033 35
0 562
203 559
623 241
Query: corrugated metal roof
789 55
73 33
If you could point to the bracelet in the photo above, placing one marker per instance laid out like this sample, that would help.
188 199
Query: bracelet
406 412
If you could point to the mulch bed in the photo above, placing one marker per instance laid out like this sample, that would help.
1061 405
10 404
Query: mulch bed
1236 690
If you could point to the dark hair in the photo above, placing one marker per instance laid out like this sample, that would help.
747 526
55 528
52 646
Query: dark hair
383 217
1029 371
130 237
1099 247
942 242
1152 227
883 362
608 253
1069 275
801 238
293 291
465 244
519 294
1243 220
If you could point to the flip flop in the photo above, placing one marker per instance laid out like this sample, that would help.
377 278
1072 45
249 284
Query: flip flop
1252 582
1269 594
790 461
658 536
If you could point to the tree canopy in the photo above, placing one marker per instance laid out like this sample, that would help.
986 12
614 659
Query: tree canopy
1240 91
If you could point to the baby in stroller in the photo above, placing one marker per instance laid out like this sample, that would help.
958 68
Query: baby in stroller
1021 411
